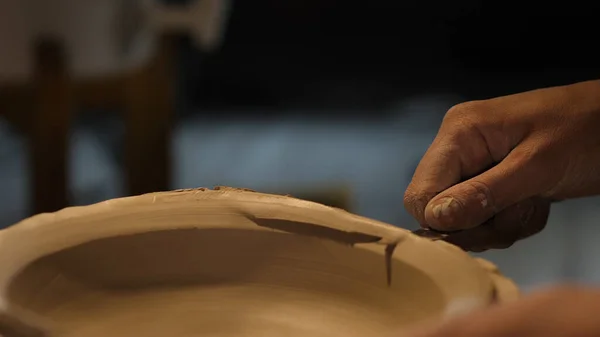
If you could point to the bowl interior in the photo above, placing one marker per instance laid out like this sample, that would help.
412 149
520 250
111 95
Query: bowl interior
223 282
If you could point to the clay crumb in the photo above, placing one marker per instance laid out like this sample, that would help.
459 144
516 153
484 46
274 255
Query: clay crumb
228 188
216 188
197 189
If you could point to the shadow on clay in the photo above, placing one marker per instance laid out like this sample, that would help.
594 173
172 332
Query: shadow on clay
308 229
349 238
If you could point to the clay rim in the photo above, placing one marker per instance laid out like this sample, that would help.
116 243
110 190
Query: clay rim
45 234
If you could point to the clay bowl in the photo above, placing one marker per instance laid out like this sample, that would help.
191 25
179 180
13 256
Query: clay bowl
228 262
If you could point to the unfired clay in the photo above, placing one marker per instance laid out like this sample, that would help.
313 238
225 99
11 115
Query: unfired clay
228 262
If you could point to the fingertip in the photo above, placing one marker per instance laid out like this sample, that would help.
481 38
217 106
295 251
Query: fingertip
444 213
463 206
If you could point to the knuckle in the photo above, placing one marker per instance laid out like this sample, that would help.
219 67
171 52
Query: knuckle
464 120
465 109
412 203
409 199
415 204
466 113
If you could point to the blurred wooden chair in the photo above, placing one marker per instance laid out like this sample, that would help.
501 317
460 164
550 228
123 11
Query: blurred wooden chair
113 63
44 110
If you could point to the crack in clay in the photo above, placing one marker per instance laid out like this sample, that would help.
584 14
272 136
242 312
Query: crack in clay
389 252
309 229
348 238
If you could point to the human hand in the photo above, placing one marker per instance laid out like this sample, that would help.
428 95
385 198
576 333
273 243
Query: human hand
558 312
502 161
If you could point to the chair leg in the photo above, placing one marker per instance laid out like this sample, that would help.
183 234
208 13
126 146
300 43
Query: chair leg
148 109
49 131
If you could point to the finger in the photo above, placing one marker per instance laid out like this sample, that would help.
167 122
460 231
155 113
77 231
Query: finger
547 313
474 201
514 223
438 169
490 322
450 158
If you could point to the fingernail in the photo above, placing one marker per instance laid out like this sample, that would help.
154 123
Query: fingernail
444 207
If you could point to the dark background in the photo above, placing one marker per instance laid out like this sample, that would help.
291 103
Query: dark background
337 54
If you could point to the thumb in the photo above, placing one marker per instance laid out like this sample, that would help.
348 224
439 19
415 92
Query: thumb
474 201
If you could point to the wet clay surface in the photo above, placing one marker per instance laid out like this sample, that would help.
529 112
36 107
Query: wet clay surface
187 282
